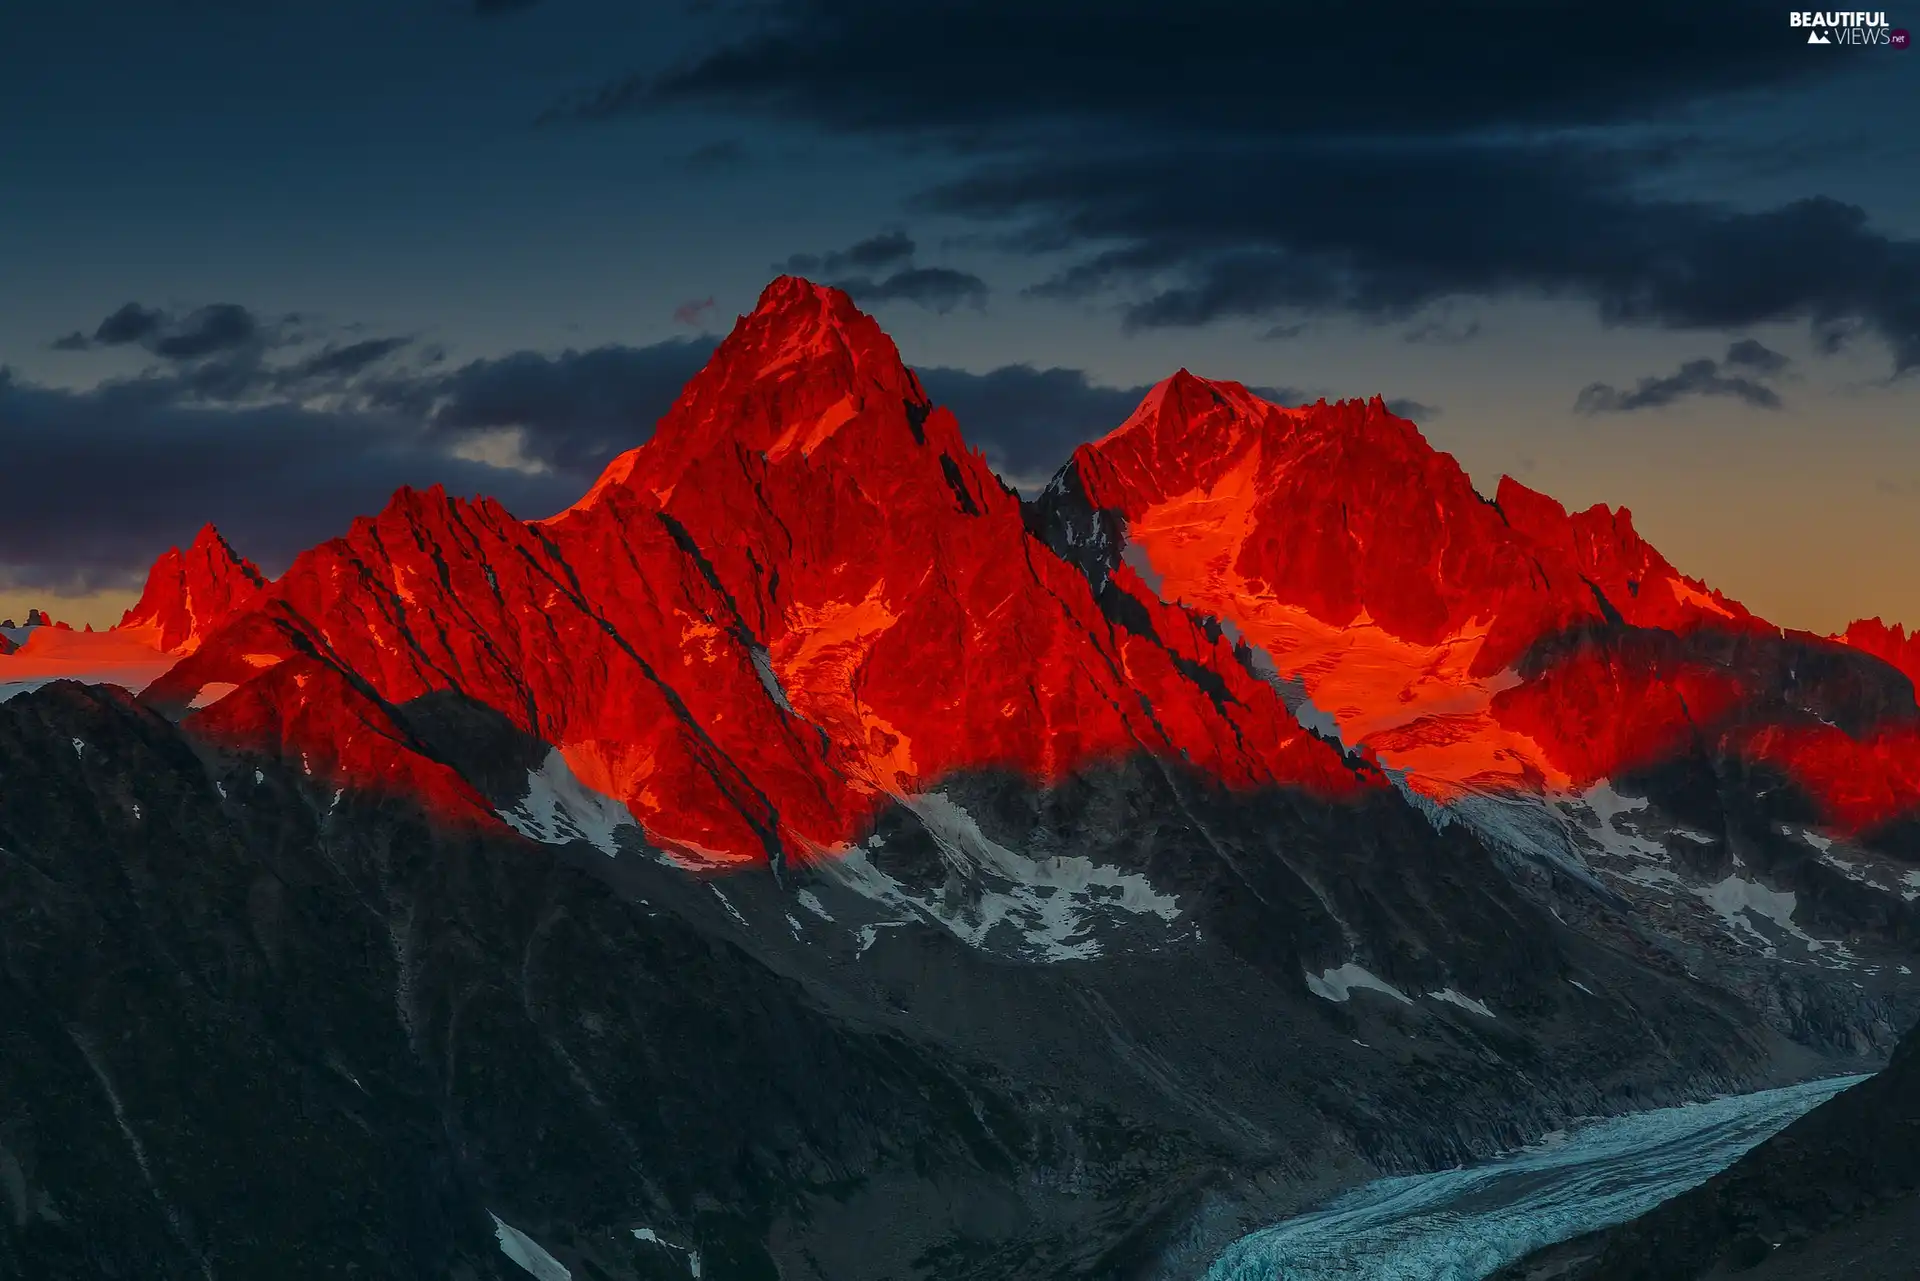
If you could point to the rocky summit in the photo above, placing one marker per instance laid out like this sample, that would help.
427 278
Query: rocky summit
805 857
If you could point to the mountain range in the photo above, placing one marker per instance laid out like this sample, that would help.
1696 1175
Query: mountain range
806 856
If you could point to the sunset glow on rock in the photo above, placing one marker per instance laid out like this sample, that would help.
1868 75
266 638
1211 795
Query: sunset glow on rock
806 594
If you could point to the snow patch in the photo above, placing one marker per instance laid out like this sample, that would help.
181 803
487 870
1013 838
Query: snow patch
526 1252
811 901
211 693
727 903
1340 982
1452 997
1738 901
1608 805
1583 987
1135 557
763 668
1041 910
654 1238
559 808
870 933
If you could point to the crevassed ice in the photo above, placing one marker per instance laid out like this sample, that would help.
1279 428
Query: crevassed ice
1463 1225
526 1252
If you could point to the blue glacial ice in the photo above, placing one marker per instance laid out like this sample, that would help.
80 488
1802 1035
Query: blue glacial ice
1461 1225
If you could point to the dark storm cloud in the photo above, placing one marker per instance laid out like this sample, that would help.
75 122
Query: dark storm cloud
1482 154
1418 411
1385 230
226 353
98 483
1750 353
861 270
883 250
132 323
204 331
1738 375
1225 68
576 409
935 288
1028 420
346 361
220 327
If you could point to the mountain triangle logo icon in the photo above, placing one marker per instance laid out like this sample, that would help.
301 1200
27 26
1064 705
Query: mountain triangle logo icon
1814 37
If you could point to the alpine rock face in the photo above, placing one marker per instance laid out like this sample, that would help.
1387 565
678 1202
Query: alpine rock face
803 596
802 857
190 591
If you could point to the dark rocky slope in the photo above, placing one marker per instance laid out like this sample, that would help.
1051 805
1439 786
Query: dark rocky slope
256 1026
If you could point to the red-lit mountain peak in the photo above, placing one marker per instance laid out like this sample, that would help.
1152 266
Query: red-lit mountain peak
1337 514
803 595
867 546
792 373
189 593
807 594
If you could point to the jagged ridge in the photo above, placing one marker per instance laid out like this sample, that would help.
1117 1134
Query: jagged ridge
806 594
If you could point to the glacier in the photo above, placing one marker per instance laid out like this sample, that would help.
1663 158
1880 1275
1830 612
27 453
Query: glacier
1464 1224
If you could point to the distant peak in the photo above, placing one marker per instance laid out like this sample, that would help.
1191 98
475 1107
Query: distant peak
189 593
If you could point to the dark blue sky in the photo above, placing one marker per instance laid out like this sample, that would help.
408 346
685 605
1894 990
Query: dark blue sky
1667 256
